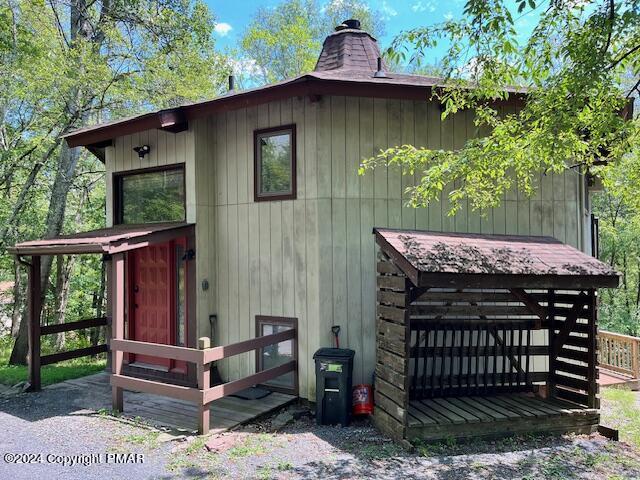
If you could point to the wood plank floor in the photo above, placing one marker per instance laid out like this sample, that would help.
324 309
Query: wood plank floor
494 416
226 413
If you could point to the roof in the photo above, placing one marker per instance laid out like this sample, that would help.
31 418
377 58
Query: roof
118 238
346 66
349 48
492 261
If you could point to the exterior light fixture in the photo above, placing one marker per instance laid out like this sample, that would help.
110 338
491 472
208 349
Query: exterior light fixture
142 150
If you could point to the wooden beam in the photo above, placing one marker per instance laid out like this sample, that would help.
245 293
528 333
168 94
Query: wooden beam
67 327
532 304
158 350
179 392
117 326
33 317
230 388
80 352
569 322
225 351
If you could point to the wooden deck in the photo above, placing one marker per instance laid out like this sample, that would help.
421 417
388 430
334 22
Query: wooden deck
608 378
226 413
496 416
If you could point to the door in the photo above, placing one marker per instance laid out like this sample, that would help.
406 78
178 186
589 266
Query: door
151 300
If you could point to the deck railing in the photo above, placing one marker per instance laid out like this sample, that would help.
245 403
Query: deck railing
619 353
204 394
37 360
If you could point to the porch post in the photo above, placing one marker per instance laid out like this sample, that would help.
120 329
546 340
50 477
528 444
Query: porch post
204 382
33 316
117 323
108 310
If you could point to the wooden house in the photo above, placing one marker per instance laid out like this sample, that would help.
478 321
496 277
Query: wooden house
244 217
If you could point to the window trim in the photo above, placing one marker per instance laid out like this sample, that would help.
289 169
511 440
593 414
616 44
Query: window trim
264 197
116 183
273 320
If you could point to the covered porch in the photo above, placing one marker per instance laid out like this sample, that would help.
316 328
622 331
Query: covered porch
150 319
485 335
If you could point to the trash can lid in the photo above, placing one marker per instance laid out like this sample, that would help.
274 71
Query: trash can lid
337 353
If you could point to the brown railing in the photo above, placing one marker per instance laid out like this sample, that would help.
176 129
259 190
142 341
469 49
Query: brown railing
37 360
619 353
204 394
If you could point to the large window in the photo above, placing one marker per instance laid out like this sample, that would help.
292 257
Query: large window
275 163
150 195
275 355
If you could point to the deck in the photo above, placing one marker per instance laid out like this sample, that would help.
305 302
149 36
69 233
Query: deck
496 416
226 413
609 378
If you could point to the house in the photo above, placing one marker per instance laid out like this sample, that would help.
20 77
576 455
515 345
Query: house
244 216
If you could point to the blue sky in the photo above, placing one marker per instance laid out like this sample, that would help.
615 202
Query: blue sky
234 16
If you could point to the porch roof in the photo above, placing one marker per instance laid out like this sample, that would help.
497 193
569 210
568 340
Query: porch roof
118 238
492 261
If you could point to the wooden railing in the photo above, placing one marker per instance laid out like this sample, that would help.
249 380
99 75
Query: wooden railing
204 394
37 360
619 353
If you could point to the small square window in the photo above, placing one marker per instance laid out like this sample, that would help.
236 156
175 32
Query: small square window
275 163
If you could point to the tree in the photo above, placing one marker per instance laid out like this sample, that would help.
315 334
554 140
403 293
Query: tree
284 42
572 69
66 64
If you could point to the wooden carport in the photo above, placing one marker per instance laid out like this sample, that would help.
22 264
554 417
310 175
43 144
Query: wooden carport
485 335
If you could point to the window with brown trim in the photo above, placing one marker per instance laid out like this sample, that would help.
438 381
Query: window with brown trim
274 163
149 195
274 355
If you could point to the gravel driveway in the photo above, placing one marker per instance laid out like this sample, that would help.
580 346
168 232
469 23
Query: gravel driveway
61 423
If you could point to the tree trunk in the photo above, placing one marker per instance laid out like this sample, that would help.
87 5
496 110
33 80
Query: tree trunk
63 274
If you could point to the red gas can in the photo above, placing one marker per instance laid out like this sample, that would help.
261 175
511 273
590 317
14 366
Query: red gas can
362 400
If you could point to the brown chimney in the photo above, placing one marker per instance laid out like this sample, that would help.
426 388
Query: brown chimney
349 48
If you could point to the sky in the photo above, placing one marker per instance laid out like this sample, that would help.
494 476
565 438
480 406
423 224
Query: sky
234 16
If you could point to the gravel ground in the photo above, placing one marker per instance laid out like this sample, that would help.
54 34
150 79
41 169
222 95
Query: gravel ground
287 445
305 450
60 423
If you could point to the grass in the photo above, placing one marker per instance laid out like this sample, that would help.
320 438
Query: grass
252 445
623 413
50 374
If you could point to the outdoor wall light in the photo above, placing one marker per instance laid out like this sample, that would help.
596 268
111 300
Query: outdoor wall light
142 150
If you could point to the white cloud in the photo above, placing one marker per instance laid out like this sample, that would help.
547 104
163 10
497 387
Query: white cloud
423 7
388 10
448 16
244 66
222 29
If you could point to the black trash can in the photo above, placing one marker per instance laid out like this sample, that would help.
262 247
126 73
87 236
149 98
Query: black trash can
334 372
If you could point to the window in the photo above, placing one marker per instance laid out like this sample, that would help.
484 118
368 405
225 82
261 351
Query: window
275 163
274 355
149 196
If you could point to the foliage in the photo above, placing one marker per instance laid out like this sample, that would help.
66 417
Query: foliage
64 65
572 70
618 209
284 41
58 372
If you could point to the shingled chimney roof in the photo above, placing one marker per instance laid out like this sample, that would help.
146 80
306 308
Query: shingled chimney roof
349 48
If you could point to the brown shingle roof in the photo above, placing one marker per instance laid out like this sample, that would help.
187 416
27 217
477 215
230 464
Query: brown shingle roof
350 49
546 261
103 240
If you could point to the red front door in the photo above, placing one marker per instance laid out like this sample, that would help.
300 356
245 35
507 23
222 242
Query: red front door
151 306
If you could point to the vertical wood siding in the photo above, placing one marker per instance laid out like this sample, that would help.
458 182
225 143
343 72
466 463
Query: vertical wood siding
314 257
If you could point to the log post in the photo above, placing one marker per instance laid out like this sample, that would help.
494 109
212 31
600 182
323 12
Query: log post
204 382
33 315
117 323
108 332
